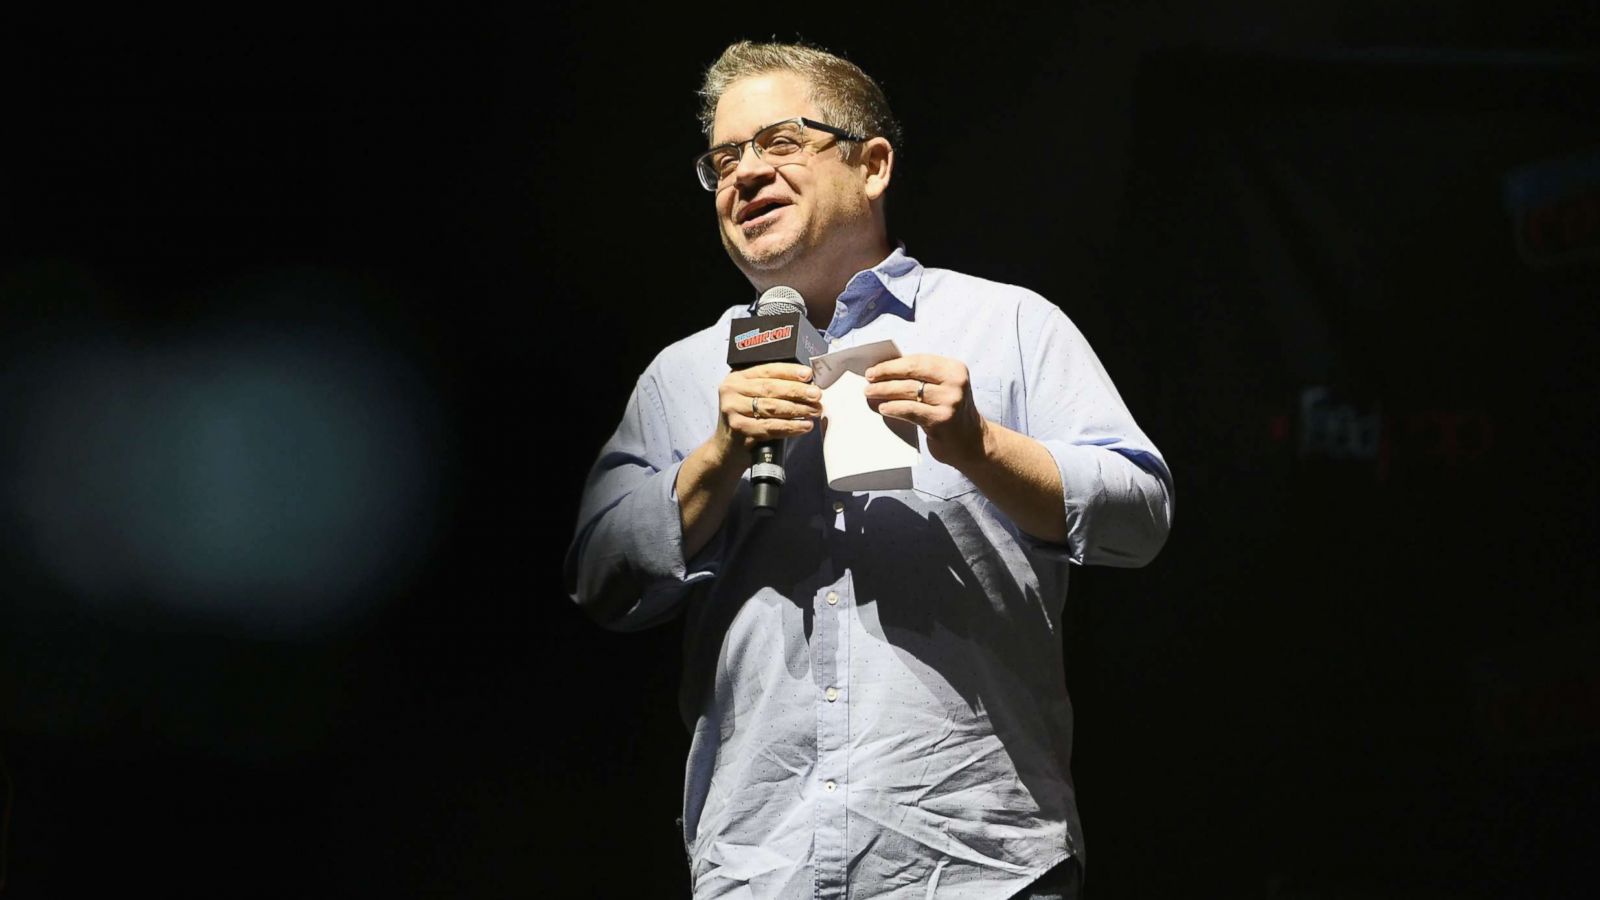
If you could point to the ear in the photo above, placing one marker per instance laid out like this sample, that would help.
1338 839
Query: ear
877 163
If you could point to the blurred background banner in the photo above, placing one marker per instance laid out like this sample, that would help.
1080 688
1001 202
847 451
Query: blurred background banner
1555 208
311 322
1316 283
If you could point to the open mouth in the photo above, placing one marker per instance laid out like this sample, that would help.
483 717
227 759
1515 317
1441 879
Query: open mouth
760 211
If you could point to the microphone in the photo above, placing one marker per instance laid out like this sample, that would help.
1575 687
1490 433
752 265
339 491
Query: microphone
778 332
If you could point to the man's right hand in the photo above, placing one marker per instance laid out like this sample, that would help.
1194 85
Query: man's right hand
764 403
761 403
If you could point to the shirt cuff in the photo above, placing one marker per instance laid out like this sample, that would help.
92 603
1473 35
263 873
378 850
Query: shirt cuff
631 563
1116 510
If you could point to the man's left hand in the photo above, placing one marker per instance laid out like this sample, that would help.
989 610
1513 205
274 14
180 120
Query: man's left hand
935 394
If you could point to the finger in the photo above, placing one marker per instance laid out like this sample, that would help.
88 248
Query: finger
769 429
919 414
897 390
769 408
784 371
916 367
764 407
791 391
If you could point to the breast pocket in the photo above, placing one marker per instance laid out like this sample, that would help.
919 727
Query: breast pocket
935 479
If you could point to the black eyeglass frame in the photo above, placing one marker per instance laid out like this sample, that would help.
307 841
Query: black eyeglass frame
710 180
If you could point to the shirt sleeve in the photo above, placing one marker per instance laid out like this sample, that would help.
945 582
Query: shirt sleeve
1117 487
625 566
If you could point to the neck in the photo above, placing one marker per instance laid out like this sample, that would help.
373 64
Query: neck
821 285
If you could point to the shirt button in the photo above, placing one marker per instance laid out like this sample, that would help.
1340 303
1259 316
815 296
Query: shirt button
838 506
829 787
833 598
831 693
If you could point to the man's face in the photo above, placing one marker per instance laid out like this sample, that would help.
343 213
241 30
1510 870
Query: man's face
803 214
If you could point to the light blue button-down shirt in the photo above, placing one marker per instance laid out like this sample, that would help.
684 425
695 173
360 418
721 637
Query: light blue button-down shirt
874 680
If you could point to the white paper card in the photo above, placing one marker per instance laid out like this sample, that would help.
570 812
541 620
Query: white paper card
861 450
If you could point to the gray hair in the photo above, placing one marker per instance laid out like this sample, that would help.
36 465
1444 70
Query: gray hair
845 96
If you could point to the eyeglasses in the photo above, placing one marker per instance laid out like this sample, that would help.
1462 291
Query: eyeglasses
778 144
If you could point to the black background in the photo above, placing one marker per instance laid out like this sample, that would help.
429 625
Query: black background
1298 699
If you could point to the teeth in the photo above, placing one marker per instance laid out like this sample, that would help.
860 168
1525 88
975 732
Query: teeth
760 212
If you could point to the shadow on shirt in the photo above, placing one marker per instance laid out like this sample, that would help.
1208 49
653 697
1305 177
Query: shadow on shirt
952 591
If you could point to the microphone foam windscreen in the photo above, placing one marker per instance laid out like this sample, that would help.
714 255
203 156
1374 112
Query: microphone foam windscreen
780 300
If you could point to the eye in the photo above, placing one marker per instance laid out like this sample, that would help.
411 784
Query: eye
724 162
781 145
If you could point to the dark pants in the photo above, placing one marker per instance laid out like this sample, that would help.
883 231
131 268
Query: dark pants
1063 882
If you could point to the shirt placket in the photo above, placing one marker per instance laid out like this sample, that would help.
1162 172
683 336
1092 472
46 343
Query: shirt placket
831 662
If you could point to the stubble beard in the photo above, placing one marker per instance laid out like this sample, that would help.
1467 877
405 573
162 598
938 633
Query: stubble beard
768 259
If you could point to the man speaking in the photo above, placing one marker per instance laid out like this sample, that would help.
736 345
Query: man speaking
873 679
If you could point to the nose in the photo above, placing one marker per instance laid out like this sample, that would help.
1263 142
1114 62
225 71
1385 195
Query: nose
751 165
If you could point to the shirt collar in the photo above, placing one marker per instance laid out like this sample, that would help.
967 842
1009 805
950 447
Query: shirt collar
891 284
901 277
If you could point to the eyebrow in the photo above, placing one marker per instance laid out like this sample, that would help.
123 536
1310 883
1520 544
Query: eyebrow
754 133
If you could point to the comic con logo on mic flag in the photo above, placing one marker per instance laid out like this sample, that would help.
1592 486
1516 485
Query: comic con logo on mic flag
756 337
